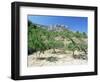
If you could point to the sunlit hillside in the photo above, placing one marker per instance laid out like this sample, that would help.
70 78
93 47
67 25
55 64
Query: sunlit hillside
54 43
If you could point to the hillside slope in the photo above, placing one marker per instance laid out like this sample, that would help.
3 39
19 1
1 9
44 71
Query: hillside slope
55 40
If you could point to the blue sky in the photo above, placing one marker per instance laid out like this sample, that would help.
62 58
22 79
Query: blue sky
74 23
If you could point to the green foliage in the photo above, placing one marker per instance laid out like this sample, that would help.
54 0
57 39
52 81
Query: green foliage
84 35
71 47
29 23
41 39
35 39
83 47
80 35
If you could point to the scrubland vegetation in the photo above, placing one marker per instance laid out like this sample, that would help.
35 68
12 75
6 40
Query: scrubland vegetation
49 45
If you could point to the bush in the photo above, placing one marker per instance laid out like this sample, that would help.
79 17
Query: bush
31 50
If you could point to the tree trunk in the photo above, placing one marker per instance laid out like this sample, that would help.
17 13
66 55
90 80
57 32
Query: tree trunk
73 53
40 54
84 51
43 51
65 43
54 51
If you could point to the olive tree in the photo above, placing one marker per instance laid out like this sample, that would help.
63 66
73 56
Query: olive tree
72 47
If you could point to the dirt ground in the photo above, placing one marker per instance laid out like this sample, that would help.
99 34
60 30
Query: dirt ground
52 59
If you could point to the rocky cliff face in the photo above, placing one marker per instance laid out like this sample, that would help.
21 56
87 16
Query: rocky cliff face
56 27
